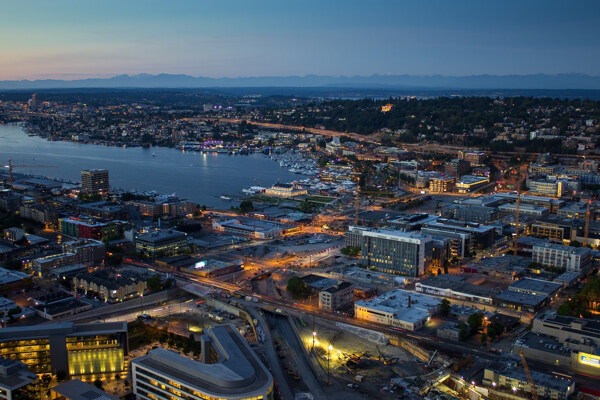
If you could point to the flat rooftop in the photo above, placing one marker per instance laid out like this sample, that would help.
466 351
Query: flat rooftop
78 390
509 369
396 302
535 286
457 284
526 299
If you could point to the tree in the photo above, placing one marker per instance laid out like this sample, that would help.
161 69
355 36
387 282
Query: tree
439 271
61 375
495 329
98 384
154 283
246 206
297 288
445 307
14 311
350 251
464 331
475 320
483 339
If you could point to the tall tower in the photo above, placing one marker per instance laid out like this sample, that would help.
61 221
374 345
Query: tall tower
95 181
34 101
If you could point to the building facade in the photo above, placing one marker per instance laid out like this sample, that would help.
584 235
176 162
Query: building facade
230 370
95 181
89 351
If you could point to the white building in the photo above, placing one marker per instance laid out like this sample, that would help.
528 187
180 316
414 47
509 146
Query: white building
559 256
398 308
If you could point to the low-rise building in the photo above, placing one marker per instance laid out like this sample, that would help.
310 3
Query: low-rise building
442 184
505 379
535 286
161 242
254 228
455 287
453 331
470 183
563 342
76 389
109 285
287 190
17 382
336 297
398 308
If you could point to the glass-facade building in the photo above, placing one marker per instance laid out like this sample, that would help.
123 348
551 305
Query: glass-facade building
87 351
393 252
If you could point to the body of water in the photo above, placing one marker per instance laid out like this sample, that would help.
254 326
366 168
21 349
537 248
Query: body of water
198 177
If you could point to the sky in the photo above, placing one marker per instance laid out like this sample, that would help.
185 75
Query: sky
73 39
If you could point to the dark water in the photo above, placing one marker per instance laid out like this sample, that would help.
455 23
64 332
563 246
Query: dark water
199 177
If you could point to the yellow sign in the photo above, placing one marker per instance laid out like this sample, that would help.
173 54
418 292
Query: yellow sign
589 359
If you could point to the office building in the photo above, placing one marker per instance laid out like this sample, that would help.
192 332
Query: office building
90 228
91 351
473 157
109 285
457 167
398 308
470 183
95 181
336 297
161 243
17 382
524 210
561 257
482 236
442 184
394 252
471 213
230 370
546 187
556 230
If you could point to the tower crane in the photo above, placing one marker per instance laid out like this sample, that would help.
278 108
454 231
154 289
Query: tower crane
586 232
10 167
534 395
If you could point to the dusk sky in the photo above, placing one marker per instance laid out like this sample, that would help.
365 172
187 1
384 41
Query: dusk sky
79 39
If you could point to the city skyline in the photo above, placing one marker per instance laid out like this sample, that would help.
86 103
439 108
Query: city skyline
70 40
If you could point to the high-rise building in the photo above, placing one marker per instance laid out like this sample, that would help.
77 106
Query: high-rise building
95 180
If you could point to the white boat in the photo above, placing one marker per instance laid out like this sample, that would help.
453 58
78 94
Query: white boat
225 197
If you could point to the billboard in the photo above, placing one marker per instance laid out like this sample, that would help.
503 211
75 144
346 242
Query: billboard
589 359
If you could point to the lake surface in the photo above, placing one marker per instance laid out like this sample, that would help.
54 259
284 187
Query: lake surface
198 177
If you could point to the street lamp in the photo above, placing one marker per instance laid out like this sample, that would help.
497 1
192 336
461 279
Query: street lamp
314 337
328 358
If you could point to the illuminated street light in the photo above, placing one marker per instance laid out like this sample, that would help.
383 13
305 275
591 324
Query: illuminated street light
328 358
314 337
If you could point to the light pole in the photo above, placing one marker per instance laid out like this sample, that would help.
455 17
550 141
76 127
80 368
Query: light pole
314 337
328 358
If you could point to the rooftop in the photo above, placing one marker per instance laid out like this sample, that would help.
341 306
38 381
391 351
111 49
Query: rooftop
535 286
78 390
396 302
238 371
527 299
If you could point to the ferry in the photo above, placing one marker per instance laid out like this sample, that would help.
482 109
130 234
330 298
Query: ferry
223 197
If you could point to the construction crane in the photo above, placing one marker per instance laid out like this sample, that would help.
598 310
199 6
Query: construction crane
586 232
534 395
517 185
10 167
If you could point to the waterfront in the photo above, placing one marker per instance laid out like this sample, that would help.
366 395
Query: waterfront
199 177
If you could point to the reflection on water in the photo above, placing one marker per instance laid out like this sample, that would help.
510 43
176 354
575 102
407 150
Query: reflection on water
199 177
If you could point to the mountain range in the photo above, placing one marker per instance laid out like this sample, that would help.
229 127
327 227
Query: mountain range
437 82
